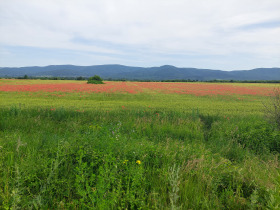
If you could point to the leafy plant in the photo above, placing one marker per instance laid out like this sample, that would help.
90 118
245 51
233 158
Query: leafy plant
95 80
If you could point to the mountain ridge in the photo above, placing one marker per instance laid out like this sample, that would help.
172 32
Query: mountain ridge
117 71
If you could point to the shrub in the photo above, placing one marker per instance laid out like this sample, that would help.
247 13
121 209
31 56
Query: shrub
95 80
272 108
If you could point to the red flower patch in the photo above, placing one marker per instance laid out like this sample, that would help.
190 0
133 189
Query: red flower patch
199 89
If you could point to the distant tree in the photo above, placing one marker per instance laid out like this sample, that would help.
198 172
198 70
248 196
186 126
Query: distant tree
95 80
80 78
25 77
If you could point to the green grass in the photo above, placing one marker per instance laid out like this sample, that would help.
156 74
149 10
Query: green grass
75 152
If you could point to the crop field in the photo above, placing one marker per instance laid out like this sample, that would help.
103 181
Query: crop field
137 145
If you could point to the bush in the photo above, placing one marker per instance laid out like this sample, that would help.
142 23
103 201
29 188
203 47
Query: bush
272 108
95 80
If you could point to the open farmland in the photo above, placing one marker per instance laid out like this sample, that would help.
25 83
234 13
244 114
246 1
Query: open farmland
133 145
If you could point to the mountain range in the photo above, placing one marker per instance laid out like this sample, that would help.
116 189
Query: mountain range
165 72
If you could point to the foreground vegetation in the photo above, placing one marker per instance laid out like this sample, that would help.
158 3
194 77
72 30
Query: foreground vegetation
143 151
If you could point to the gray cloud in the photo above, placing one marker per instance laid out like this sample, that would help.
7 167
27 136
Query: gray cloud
116 27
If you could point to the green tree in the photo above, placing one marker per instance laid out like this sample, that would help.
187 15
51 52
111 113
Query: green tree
80 78
95 80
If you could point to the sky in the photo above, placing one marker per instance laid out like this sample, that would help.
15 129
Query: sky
210 34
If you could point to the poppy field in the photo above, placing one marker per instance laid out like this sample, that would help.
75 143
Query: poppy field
198 89
137 145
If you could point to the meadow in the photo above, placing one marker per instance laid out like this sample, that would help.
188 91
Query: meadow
137 145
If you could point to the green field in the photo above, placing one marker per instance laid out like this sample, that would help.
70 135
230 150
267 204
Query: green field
137 151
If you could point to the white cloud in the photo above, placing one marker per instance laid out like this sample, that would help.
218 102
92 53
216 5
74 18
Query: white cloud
205 27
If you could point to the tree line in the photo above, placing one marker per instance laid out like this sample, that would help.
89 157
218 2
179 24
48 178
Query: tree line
147 80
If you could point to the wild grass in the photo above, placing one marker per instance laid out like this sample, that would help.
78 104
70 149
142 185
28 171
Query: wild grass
137 152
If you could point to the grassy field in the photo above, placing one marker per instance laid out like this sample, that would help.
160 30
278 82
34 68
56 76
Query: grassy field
137 146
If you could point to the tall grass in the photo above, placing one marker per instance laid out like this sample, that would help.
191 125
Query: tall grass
136 158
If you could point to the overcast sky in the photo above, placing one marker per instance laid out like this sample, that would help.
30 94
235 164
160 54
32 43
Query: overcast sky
216 34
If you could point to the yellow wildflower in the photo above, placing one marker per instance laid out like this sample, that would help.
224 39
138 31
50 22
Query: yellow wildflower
138 162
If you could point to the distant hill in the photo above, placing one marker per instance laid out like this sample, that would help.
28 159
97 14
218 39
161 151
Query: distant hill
166 72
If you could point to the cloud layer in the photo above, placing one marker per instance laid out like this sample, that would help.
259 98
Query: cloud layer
232 34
